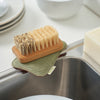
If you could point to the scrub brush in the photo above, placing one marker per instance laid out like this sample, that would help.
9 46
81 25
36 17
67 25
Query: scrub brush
36 44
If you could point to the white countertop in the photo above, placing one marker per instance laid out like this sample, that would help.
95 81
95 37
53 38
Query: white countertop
70 30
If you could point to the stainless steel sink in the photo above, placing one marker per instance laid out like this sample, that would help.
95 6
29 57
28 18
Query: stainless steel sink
72 78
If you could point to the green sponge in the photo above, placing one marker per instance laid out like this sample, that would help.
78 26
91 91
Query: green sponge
39 67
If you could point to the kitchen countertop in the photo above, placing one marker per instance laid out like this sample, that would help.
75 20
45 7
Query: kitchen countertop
70 30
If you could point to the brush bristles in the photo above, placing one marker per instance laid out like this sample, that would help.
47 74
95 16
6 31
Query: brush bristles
36 40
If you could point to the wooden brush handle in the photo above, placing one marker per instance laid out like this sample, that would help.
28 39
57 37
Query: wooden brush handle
37 54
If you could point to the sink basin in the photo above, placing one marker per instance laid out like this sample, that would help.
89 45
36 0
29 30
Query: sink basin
72 78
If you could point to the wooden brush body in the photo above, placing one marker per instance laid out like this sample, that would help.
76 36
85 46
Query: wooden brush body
36 44
37 54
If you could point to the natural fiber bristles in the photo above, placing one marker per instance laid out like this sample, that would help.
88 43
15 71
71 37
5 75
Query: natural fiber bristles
36 40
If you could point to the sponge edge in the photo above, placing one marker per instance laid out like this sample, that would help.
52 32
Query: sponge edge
38 54
92 45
